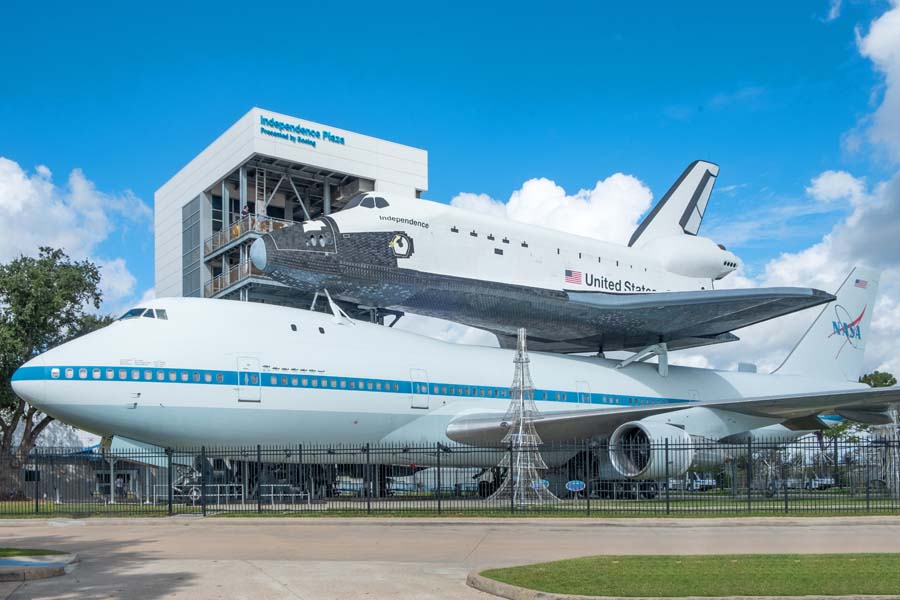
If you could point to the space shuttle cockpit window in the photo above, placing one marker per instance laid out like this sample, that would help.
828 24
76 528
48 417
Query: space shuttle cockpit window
368 202
381 203
133 313
354 201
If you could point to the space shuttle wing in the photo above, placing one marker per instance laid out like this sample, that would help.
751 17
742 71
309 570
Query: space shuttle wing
684 319
864 404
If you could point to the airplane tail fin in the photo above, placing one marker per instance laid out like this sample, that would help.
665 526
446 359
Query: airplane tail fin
681 209
833 346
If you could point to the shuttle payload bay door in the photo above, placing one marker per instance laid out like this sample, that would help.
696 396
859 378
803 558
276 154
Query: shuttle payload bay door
249 389
419 395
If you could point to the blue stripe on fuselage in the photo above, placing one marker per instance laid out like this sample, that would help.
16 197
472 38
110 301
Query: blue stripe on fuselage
315 381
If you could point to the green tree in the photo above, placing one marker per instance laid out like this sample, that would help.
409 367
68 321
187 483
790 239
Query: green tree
878 379
43 301
850 429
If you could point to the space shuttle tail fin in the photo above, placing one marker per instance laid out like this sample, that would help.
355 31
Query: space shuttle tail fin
681 209
834 345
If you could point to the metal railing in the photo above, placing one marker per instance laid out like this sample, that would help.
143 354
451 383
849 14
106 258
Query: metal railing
240 228
808 476
232 276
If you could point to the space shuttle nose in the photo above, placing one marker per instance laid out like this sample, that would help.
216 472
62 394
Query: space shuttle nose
258 254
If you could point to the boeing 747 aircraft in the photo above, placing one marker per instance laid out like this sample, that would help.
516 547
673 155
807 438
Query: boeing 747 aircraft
180 372
573 294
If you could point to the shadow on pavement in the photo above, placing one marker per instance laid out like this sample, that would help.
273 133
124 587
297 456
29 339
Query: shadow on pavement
107 570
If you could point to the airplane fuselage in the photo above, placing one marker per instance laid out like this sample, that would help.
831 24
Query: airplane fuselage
232 373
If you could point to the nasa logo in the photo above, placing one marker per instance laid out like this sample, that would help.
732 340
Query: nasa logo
849 329
401 245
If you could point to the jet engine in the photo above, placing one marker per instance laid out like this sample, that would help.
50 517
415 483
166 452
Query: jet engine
692 256
637 450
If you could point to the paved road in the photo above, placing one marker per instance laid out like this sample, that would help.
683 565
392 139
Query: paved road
397 559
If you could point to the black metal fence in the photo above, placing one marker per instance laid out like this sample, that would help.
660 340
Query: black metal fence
810 476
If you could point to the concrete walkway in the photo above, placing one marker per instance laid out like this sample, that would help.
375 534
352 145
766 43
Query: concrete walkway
397 559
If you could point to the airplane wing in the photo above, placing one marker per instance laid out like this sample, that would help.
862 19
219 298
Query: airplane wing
865 404
681 319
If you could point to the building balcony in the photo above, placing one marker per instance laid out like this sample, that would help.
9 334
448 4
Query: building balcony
250 226
232 277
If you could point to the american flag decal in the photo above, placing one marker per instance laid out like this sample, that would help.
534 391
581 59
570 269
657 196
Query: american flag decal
573 276
860 283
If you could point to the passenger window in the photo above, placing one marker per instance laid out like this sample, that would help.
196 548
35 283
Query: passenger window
123 374
135 374
284 380
274 380
82 373
220 378
148 375
196 377
381 203
173 376
110 374
321 330
70 373
160 375
95 373
396 387
254 379
294 381
334 383
368 202
161 314
352 384
207 377
378 385
54 373
315 382
293 327
343 383
304 382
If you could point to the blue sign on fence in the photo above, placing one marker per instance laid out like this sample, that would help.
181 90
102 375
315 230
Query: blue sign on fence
539 484
575 485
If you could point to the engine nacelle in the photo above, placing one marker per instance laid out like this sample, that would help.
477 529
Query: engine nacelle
692 256
637 450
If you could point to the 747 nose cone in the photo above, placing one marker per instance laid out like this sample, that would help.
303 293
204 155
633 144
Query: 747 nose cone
258 254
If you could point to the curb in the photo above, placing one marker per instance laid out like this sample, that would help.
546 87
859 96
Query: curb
44 566
476 521
513 592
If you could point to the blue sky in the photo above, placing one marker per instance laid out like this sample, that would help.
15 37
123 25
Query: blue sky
498 93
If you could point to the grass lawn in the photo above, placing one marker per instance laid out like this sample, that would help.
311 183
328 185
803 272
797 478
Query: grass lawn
11 552
724 575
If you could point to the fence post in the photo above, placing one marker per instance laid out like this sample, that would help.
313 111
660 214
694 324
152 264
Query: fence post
169 478
36 477
258 478
439 477
589 475
784 484
749 474
367 481
835 472
203 480
512 488
668 500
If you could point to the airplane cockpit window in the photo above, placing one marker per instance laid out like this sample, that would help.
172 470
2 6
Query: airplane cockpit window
381 203
133 313
354 201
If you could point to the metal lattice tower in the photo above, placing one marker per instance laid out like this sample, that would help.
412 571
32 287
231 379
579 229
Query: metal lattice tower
523 484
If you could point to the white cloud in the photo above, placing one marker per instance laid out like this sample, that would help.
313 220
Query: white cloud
76 218
608 211
882 45
837 185
834 10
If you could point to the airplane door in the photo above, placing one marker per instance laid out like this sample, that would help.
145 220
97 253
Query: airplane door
248 379
419 395
583 389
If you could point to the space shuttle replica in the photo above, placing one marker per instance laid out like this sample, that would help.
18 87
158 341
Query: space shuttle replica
573 294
